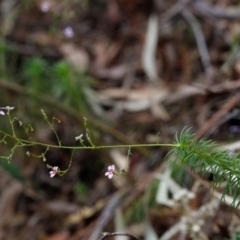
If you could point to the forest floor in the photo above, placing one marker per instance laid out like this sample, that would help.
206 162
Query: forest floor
140 71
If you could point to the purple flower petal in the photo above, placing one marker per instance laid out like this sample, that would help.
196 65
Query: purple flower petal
68 32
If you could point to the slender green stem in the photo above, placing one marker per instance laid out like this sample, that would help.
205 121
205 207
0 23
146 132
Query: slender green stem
70 164
210 159
59 142
33 143
98 147
51 125
45 99
11 123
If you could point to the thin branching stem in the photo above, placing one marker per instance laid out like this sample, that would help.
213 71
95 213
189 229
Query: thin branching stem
202 156
33 143
11 123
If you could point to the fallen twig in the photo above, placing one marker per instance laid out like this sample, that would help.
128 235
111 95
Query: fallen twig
107 213
173 11
201 43
211 11
230 104
149 49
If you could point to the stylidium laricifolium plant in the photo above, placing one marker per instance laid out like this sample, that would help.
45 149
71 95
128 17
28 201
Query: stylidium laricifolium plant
203 157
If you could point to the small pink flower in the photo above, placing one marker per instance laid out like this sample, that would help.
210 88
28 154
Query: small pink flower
79 137
8 108
68 32
53 172
110 171
45 6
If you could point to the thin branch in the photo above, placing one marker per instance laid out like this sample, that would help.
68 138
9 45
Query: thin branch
71 112
107 213
223 111
149 49
221 121
174 10
211 11
201 43
31 50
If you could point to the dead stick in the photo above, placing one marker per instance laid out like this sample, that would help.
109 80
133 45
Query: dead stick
200 40
230 104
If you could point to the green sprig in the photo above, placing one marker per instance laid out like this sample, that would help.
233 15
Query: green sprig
205 158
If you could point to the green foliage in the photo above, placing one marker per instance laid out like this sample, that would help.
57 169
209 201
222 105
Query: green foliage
13 169
69 82
202 156
235 236
60 80
81 190
180 176
135 212
206 159
36 72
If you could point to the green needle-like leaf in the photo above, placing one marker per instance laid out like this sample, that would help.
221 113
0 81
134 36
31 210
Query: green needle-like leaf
204 158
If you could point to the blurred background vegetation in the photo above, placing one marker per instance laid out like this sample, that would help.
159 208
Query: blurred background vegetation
133 69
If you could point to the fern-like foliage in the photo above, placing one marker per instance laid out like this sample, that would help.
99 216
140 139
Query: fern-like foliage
205 158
